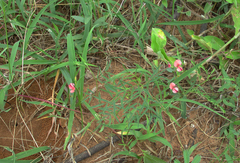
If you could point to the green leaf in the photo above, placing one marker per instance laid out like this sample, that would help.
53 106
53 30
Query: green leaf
236 17
214 42
3 97
202 43
176 161
100 22
12 59
223 62
236 122
165 4
132 144
192 22
231 138
232 105
79 18
187 153
147 136
158 40
233 55
151 159
228 158
188 13
126 126
127 153
196 159
183 107
70 120
71 56
207 8
162 140
27 153
193 148
45 112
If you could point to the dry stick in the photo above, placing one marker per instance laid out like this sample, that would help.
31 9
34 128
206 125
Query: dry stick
99 147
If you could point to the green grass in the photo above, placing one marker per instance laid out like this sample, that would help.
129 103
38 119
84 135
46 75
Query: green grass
140 92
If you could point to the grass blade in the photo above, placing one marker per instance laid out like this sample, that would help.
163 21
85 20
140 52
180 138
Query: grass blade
12 59
193 22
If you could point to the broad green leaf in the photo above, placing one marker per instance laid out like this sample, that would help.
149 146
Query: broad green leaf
236 122
202 43
183 107
3 97
158 40
12 59
165 4
71 56
100 22
133 144
176 161
236 17
215 42
188 13
190 32
186 156
207 8
232 105
233 55
228 158
79 18
196 159
193 148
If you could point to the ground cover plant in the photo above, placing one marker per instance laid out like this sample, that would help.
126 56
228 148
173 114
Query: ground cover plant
153 81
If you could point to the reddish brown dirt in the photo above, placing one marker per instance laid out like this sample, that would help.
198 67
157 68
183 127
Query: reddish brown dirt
14 132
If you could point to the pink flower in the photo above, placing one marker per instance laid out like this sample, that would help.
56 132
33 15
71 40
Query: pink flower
173 87
177 64
169 65
179 69
71 86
